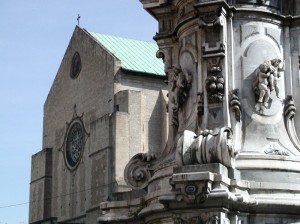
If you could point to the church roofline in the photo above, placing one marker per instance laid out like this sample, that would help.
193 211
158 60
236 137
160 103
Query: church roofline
134 55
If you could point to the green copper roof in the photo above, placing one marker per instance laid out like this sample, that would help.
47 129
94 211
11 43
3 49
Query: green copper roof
135 55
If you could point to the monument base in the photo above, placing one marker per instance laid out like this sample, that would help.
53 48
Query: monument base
209 193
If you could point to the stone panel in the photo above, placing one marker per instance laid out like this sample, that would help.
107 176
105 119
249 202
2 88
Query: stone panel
152 115
40 186
249 30
275 34
100 171
99 134
122 143
36 208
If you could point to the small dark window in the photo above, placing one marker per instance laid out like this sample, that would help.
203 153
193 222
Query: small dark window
75 66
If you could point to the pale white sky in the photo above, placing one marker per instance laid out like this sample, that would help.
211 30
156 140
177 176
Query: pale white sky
34 35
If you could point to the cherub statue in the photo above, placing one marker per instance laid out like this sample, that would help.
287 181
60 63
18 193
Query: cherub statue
267 79
275 67
261 84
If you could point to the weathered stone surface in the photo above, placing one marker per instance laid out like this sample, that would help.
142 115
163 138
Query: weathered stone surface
237 71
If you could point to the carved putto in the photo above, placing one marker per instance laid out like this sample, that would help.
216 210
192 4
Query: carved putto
215 85
267 79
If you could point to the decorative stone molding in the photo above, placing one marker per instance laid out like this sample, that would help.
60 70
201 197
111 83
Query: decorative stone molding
275 147
289 113
235 104
160 54
208 147
272 151
211 19
192 219
185 8
213 24
209 188
137 172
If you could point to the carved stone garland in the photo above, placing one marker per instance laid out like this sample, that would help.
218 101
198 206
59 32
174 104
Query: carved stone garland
215 85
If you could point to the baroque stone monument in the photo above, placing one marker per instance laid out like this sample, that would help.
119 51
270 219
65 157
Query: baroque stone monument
232 155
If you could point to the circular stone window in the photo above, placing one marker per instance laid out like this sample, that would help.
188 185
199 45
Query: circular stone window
74 144
75 66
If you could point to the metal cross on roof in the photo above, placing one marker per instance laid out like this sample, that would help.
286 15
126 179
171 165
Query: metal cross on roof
78 18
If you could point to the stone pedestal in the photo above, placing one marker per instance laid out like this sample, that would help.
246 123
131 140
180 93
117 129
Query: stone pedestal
232 155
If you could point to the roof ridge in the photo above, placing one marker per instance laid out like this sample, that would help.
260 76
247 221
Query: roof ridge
128 38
